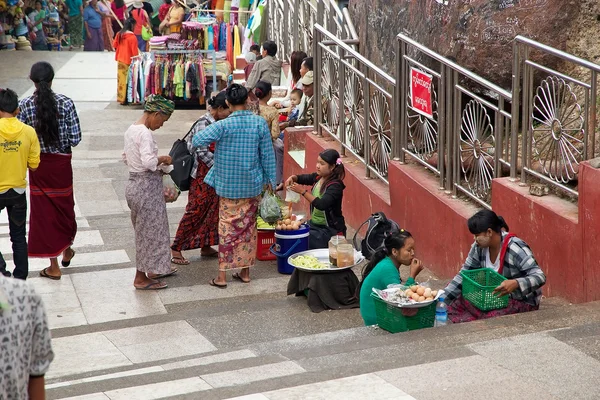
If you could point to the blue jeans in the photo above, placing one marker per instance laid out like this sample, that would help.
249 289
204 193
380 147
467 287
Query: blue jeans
16 206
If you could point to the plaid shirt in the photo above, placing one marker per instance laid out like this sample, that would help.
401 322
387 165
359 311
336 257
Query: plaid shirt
69 129
519 264
202 153
244 157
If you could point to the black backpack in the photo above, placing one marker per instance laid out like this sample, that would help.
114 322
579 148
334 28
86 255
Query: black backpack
379 227
183 162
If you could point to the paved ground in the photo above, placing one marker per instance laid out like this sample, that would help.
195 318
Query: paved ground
193 341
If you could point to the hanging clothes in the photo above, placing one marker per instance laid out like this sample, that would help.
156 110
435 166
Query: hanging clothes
237 48
235 6
211 38
229 45
243 16
223 37
227 14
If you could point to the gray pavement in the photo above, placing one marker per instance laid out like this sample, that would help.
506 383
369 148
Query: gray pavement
252 342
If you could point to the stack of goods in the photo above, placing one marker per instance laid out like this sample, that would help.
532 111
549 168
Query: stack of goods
158 43
23 44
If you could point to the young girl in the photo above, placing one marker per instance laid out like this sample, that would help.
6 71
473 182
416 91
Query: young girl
126 46
384 269
325 197
511 257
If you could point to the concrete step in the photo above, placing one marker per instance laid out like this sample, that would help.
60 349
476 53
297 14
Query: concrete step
240 62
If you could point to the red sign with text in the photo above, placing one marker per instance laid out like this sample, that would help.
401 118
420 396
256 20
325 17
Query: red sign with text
420 92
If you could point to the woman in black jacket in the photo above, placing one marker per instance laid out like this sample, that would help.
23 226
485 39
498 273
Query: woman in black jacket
325 197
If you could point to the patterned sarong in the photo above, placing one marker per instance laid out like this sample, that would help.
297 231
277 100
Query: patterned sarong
462 310
52 225
237 233
122 71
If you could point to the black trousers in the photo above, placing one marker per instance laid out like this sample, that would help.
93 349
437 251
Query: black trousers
16 206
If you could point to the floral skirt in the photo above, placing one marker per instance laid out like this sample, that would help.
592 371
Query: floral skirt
122 71
145 198
237 233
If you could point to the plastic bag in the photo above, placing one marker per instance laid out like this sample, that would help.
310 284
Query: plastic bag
291 196
170 189
270 210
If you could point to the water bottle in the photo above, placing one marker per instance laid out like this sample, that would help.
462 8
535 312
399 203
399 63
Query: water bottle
441 313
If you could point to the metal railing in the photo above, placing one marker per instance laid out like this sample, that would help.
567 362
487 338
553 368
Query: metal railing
355 110
558 118
464 137
291 23
472 132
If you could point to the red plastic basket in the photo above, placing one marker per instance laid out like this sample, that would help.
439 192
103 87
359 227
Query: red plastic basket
266 238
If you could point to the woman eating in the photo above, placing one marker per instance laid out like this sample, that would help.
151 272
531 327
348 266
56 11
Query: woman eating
325 197
384 269
52 226
199 225
508 255
263 91
126 46
145 196
244 164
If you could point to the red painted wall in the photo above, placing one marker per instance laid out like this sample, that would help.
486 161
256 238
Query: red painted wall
563 236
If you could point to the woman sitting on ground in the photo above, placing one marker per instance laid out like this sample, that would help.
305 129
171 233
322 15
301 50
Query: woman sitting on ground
325 198
508 255
384 269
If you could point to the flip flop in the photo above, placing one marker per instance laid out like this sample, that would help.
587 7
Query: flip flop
173 271
149 286
45 274
179 261
67 263
239 278
215 284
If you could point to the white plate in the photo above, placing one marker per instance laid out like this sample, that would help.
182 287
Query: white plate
415 304
323 256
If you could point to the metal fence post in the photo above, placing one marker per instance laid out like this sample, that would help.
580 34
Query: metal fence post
286 29
592 113
317 100
342 108
444 119
401 99
320 14
396 102
527 80
295 25
367 119
514 108
454 136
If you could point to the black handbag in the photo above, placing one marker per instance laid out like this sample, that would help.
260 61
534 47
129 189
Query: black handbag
183 162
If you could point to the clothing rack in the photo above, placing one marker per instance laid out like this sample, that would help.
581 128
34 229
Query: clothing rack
212 53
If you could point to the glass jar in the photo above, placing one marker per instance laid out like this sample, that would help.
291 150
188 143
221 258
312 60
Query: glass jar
334 242
345 255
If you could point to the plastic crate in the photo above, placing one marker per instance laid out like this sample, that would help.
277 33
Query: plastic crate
478 286
391 319
266 238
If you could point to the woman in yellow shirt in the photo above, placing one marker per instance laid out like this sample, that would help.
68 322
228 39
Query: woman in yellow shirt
172 23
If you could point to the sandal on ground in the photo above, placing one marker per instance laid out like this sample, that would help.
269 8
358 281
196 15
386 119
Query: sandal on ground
173 271
67 263
239 278
214 253
152 286
215 284
44 274
180 261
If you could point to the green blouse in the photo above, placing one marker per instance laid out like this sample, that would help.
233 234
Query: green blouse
385 273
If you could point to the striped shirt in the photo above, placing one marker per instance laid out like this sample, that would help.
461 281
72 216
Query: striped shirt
69 130
519 264
244 158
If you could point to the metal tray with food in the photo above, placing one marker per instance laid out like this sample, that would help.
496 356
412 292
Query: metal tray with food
317 260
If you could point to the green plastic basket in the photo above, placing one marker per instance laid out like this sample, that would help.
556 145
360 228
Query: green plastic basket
391 319
478 286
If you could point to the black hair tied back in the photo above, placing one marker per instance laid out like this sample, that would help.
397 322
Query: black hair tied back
218 101
237 94
483 220
46 109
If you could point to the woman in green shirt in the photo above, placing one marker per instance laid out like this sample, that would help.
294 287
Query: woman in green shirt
384 269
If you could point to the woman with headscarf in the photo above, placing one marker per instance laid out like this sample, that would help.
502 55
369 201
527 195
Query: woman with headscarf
145 196
198 228
244 164
52 226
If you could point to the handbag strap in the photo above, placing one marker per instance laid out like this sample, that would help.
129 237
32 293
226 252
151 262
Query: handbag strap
505 244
